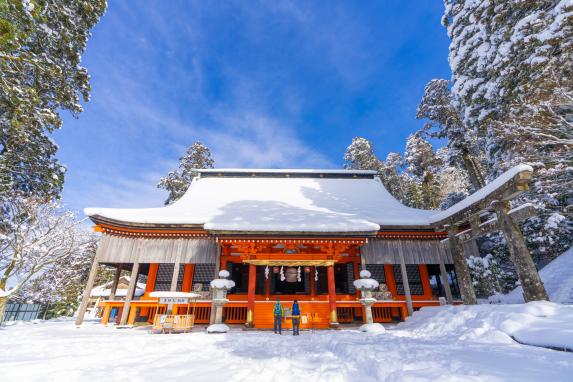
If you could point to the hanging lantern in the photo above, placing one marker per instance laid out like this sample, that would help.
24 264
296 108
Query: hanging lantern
282 274
275 269
298 278
306 269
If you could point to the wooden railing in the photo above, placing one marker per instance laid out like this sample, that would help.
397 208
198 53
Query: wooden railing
235 314
345 314
202 314
381 314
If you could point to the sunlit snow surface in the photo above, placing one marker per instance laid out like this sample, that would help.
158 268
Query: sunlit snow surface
293 205
437 344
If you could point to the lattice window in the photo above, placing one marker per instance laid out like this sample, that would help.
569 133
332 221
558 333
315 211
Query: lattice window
165 275
203 275
260 280
350 277
414 279
377 272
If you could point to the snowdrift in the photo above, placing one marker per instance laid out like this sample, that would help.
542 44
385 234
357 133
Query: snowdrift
537 323
557 277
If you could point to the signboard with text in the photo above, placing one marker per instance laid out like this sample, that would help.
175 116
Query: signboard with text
173 300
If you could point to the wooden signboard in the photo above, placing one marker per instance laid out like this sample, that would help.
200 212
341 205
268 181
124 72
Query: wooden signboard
173 300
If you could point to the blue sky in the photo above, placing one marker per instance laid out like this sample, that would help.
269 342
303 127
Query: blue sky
264 84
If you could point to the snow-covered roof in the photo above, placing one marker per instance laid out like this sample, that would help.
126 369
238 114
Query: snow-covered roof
290 201
279 204
104 290
482 193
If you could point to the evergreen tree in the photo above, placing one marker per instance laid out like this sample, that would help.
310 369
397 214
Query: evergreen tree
421 179
422 165
197 156
41 43
395 179
444 121
512 74
360 156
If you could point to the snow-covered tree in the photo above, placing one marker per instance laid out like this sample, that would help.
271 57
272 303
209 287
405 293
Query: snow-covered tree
489 277
420 179
60 285
197 156
444 121
394 177
34 237
41 42
360 156
422 165
512 75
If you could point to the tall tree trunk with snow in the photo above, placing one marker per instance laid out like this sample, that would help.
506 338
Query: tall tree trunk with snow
462 269
3 302
533 288
474 173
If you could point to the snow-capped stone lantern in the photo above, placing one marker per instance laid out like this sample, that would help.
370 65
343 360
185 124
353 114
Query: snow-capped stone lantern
366 285
220 287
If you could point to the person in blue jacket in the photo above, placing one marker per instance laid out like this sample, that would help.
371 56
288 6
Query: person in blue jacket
278 314
295 318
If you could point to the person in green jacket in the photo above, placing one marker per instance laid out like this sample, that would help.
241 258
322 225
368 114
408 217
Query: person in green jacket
278 313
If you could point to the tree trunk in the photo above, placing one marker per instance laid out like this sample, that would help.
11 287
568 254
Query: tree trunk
533 288
462 269
474 174
3 302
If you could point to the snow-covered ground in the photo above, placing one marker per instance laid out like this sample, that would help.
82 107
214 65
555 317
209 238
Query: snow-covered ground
442 343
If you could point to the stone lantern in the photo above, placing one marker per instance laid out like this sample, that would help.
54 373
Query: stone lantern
220 287
366 285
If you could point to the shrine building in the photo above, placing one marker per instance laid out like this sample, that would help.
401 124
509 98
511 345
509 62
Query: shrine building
288 234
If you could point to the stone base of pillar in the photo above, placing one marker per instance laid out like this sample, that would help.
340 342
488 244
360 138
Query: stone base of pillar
249 323
334 320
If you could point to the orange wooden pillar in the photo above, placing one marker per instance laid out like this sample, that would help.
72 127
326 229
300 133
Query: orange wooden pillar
427 288
187 277
332 296
390 279
312 283
151 277
355 267
251 294
105 315
268 285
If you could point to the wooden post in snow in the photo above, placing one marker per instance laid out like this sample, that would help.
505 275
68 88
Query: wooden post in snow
406 283
129 295
445 282
332 296
251 295
175 276
88 291
114 283
533 289
462 269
